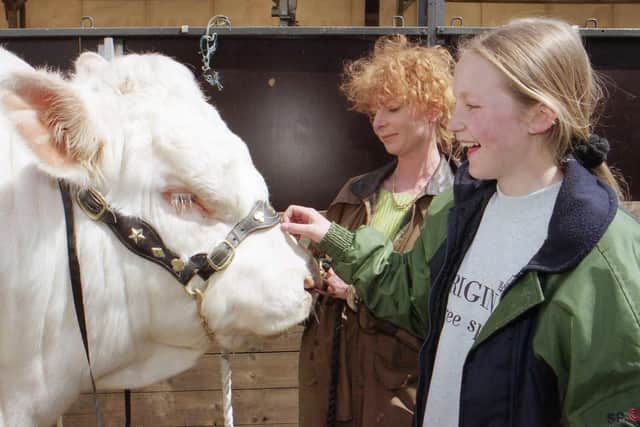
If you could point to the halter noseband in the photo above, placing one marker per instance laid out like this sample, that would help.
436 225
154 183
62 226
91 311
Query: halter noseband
142 239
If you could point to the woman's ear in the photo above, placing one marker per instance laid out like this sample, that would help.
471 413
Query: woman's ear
542 119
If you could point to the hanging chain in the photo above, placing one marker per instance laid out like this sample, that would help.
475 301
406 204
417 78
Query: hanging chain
208 46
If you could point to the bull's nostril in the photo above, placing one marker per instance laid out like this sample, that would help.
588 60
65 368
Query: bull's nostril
309 283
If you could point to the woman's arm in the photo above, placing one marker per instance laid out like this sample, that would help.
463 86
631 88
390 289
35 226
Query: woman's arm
394 286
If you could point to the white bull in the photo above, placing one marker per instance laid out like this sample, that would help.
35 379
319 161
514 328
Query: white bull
139 130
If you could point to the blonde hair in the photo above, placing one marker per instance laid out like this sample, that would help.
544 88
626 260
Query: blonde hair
545 61
398 70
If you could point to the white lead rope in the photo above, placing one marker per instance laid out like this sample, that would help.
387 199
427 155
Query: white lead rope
226 390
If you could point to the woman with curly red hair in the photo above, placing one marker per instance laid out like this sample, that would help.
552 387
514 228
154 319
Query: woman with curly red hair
356 370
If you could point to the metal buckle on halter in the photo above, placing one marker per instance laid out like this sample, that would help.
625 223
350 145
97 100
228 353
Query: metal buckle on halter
230 255
96 198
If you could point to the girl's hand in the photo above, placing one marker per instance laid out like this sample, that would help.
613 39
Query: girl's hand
301 221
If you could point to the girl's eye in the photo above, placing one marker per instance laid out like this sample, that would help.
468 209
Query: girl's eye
471 106
393 109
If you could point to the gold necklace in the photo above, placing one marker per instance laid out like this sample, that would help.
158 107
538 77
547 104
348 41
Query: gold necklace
396 203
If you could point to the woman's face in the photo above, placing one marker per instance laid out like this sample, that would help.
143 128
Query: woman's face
490 123
402 129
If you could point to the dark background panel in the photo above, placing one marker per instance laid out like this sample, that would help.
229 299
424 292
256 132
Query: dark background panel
281 97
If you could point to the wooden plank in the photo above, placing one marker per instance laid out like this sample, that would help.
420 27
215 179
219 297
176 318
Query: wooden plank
46 13
116 13
245 12
249 371
190 408
286 341
170 13
501 13
626 15
471 13
326 13
579 13
85 421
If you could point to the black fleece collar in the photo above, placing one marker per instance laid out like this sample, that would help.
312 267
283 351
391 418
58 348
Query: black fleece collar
584 209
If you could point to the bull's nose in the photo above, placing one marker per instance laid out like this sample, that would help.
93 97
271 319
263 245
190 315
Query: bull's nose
315 279
308 282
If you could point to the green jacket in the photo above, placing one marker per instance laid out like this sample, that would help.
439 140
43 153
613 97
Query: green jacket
562 346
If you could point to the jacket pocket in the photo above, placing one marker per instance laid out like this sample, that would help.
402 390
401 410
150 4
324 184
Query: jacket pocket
396 360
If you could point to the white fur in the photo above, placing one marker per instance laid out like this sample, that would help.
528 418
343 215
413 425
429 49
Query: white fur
133 128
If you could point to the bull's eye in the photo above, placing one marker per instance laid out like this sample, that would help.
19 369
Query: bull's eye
181 201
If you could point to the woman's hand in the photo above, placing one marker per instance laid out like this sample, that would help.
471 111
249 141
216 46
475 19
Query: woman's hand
308 222
335 285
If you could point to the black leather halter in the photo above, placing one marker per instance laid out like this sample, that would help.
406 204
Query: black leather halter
143 240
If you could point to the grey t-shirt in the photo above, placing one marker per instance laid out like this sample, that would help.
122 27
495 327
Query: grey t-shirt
510 233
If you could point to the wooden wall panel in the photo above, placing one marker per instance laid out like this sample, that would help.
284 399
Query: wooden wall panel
626 15
286 341
189 408
499 13
328 12
386 11
579 13
168 13
264 378
357 12
471 13
411 15
250 371
116 13
245 12
46 13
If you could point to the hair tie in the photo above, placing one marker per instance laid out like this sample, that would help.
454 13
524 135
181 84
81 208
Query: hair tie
591 152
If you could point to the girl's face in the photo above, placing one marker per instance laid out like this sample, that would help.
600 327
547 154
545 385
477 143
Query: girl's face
492 125
402 129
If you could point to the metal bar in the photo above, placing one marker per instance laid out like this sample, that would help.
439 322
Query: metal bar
422 13
199 31
435 19
584 32
539 1
275 32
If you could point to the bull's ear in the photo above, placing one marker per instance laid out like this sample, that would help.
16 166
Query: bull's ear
54 122
89 63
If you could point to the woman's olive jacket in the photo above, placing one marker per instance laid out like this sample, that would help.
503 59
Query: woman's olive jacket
376 361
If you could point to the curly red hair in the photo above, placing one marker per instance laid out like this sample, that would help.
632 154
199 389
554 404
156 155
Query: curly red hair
398 70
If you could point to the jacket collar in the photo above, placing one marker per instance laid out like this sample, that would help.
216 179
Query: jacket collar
369 183
584 209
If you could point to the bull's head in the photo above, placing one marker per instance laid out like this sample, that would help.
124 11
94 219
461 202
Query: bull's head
140 130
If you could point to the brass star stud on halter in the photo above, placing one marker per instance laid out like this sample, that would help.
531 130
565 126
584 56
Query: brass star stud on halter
136 235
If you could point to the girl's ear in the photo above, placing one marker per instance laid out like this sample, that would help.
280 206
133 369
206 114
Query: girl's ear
542 119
